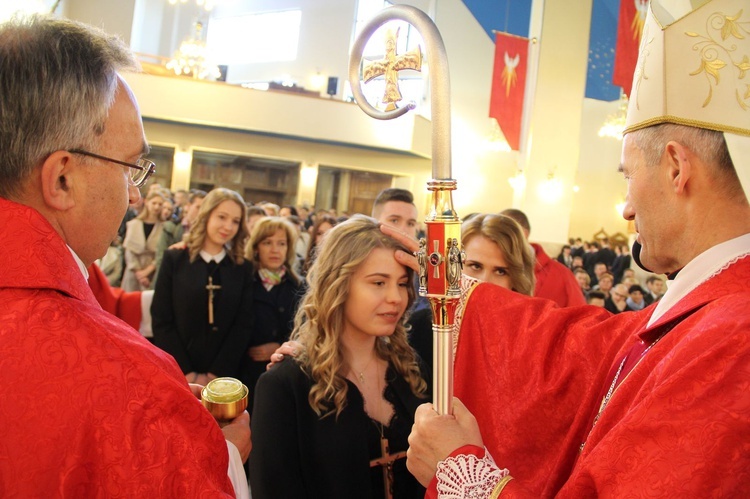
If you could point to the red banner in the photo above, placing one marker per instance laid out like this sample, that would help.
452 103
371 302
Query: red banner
508 84
629 30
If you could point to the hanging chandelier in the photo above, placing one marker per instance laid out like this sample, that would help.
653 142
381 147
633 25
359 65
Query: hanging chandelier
614 125
190 58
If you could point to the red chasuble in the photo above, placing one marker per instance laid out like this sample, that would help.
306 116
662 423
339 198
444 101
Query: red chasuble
123 304
89 408
678 424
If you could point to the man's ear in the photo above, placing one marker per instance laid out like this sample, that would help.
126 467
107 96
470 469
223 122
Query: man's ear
56 179
679 166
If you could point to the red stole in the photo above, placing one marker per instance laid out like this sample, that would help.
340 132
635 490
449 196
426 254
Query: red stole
534 376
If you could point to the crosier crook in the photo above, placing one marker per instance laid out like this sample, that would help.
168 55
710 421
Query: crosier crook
440 256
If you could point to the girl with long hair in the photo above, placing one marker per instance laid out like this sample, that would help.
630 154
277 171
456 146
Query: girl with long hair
497 252
202 308
322 418
142 235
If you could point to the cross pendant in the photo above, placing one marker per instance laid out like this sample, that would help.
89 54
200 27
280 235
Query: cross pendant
386 460
211 287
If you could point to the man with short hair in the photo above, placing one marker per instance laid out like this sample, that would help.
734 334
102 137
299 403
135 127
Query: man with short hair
581 403
553 280
395 207
617 301
596 298
654 288
90 408
181 199
600 268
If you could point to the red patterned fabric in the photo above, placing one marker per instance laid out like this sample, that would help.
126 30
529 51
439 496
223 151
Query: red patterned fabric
677 426
118 302
89 408
555 281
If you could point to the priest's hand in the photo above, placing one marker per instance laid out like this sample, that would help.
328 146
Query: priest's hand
238 432
434 437
410 243
287 348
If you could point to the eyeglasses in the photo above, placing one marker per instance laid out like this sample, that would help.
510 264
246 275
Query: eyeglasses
140 171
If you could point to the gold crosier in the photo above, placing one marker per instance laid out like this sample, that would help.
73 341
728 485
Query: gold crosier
440 254
440 257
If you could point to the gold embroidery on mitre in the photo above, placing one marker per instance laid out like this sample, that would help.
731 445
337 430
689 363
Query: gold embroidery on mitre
719 54
509 72
640 70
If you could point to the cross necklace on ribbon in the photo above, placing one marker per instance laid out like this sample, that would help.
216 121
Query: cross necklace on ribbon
211 287
386 459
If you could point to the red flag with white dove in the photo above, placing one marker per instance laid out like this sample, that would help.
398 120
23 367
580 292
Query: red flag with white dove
508 85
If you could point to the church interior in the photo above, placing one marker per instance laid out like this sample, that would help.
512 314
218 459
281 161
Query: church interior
267 110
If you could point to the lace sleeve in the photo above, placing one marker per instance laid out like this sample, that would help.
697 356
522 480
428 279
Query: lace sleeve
469 476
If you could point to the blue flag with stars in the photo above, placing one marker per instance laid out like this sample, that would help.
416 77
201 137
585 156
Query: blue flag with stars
602 41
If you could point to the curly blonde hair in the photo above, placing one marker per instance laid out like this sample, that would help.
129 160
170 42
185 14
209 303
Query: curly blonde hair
197 236
267 227
319 322
509 237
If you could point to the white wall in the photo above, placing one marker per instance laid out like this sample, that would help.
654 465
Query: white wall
482 174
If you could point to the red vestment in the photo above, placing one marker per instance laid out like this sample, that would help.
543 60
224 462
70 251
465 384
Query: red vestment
118 302
555 281
89 408
677 425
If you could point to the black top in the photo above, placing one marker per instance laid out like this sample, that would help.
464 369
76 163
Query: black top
147 228
296 454
273 316
179 313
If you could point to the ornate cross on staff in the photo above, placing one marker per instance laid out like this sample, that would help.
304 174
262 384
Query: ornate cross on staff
386 460
211 287
443 224
389 66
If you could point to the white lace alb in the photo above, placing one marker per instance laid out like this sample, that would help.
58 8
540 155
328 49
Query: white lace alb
468 476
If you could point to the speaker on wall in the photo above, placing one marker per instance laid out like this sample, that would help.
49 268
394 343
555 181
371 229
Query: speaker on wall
222 72
333 85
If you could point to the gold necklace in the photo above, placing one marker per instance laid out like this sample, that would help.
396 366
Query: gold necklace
361 374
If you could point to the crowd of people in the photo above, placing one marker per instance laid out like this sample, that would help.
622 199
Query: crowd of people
606 277
554 397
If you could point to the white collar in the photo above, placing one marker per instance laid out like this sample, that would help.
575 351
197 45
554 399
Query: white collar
208 257
700 269
80 264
